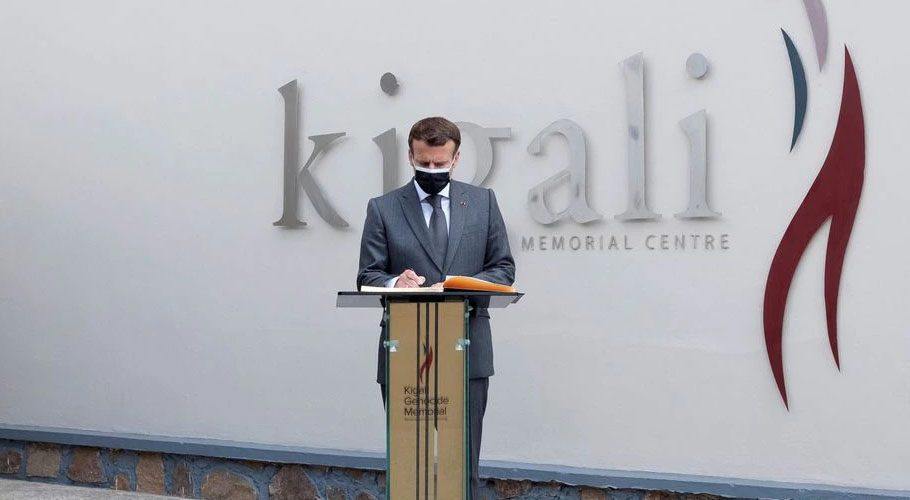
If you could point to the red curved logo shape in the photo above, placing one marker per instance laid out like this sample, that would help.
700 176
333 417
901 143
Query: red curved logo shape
835 194
425 366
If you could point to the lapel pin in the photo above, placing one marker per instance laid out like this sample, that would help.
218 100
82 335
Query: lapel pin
463 203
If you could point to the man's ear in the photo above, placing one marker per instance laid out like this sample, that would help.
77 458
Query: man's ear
455 158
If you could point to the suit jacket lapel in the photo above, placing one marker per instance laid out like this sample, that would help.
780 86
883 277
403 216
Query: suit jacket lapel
410 205
458 207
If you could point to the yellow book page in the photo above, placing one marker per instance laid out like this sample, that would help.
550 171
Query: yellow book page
474 284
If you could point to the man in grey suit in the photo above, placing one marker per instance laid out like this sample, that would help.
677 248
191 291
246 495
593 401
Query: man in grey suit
433 227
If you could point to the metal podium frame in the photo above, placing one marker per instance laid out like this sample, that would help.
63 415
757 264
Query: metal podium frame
424 329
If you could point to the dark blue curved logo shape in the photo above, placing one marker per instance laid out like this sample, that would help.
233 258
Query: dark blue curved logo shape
800 88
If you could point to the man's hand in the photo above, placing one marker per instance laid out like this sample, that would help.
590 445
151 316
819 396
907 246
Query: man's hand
409 279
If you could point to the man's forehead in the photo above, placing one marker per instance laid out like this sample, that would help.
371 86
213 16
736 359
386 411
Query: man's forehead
423 150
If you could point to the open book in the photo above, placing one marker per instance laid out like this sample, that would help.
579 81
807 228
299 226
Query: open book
451 283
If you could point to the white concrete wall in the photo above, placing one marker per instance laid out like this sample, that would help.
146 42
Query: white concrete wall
144 289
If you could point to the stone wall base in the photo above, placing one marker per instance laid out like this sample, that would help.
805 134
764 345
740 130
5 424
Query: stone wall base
225 479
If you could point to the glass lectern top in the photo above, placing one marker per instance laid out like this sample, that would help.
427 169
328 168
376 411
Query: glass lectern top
495 300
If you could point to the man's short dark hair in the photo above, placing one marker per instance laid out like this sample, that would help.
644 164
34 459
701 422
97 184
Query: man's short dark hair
435 131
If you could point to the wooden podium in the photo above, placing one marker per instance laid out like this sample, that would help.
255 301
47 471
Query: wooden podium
427 368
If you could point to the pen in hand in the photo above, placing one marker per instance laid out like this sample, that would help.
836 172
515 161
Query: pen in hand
409 279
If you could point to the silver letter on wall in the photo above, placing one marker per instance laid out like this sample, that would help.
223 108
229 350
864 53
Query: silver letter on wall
578 207
388 146
695 126
634 74
482 138
302 177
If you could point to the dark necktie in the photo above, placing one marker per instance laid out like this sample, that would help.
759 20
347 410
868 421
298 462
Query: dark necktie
438 230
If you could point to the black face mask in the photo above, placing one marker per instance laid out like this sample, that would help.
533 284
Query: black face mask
431 183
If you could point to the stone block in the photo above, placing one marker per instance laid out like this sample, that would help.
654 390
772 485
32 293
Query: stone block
660 495
592 494
150 474
86 466
121 482
506 488
10 461
43 460
224 485
291 482
183 481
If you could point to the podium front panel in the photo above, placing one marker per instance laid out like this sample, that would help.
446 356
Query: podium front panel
426 407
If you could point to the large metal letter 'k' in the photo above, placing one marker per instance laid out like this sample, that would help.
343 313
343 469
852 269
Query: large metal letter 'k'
302 177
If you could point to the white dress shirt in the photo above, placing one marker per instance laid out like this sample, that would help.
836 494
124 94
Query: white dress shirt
428 208
427 213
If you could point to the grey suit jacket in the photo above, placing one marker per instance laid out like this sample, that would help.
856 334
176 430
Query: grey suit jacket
396 237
